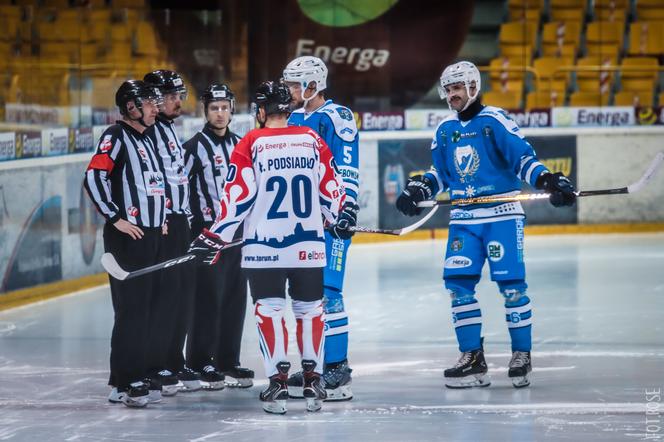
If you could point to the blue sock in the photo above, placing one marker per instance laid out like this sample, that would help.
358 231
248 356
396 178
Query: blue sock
467 319
518 316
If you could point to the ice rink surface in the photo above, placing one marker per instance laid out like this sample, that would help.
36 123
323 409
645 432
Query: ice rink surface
598 306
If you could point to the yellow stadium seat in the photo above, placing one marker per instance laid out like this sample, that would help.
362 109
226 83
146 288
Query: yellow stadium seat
60 4
11 12
146 42
133 4
520 14
610 14
633 98
518 33
561 39
660 98
507 74
568 14
649 10
588 99
646 38
623 4
595 80
551 78
517 52
632 79
544 100
507 100
604 37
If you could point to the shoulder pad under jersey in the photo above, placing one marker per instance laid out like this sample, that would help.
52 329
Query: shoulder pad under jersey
500 116
342 120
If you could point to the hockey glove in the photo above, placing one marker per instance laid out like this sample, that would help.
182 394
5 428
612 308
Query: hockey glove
560 188
347 219
207 246
418 189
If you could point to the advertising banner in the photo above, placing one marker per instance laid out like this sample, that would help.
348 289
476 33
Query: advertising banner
425 118
55 141
28 143
7 146
593 116
380 120
81 140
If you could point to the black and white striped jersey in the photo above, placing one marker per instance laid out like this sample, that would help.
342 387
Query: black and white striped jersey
124 179
172 163
209 156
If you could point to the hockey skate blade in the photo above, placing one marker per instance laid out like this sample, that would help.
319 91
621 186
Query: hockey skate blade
275 407
112 267
189 386
314 404
135 402
520 381
232 382
213 386
154 397
476 380
170 390
342 393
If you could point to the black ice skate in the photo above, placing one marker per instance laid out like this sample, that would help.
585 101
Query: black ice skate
469 371
296 385
520 366
190 380
337 381
313 390
169 382
136 396
274 397
239 377
212 379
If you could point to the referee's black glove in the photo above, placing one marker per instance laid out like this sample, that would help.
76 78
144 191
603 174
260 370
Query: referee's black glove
207 246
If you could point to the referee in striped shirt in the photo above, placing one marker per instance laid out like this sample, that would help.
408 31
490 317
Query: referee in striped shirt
126 185
221 290
170 310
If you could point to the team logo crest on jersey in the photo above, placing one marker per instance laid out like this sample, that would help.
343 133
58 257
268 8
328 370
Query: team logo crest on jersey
457 244
466 162
345 113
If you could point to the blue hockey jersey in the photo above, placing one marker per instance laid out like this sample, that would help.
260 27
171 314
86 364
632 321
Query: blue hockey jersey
336 125
485 156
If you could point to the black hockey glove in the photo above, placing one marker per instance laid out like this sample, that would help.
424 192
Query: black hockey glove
347 219
418 189
207 247
560 188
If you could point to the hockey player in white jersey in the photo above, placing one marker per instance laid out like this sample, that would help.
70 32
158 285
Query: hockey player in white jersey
281 180
307 80
480 151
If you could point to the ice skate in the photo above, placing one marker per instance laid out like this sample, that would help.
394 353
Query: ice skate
274 397
296 385
337 380
469 371
189 380
154 390
519 369
313 390
239 377
212 379
169 382
136 396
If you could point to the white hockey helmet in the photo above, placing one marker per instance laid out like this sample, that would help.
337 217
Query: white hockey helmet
462 72
305 70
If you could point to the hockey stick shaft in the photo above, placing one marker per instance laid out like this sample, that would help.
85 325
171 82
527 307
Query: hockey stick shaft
397 232
632 188
114 269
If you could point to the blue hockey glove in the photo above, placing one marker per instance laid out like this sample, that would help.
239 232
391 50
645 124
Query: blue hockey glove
418 189
560 188
347 219
207 246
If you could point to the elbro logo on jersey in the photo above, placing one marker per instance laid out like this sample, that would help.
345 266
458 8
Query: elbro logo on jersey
311 256
466 162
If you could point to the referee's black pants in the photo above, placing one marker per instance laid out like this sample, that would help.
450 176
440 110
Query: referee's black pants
220 302
171 304
131 303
